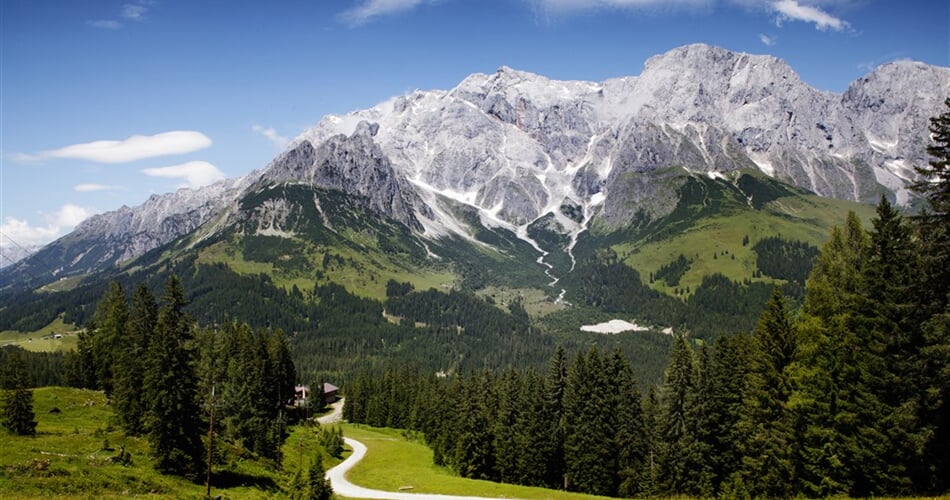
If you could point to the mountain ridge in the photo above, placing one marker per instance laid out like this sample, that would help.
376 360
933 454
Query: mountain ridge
518 147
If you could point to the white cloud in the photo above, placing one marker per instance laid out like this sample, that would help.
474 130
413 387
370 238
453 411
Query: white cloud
134 148
794 11
568 5
369 9
89 188
106 24
135 11
271 134
56 224
195 173
767 40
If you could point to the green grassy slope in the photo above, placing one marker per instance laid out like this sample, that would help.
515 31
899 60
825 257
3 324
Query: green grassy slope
71 456
393 461
715 216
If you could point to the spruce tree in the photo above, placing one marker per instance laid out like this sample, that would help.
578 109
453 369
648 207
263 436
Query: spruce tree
130 370
554 402
110 319
173 419
17 402
318 486
844 449
935 185
590 458
932 229
766 424
630 432
675 444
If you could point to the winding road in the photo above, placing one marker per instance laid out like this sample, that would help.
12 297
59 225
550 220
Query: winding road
344 488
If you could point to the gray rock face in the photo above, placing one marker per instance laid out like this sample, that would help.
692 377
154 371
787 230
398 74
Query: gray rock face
354 164
518 146
546 142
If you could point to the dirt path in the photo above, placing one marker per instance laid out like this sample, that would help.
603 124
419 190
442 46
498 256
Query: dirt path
344 488
335 416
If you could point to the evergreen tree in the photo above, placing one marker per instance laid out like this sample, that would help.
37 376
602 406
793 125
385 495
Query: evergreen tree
318 487
473 451
726 381
17 402
935 185
173 421
844 449
506 448
932 229
675 439
630 432
554 402
534 424
111 319
590 457
768 453
130 369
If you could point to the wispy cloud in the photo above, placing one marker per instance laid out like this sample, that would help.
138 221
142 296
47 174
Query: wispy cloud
768 40
135 11
195 173
56 224
367 10
279 141
573 5
105 24
90 188
134 148
794 11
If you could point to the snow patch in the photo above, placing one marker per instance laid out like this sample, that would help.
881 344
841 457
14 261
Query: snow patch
614 326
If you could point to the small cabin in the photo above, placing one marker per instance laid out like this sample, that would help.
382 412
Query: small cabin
330 393
302 394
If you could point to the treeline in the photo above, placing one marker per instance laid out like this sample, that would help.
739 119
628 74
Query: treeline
161 373
578 426
785 259
42 368
846 398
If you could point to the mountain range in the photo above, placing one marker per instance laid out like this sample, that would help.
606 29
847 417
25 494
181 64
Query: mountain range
541 164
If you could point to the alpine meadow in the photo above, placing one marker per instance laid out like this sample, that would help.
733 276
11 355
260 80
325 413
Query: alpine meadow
711 279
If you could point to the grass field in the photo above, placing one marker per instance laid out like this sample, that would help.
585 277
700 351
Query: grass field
71 457
392 461
807 219
56 336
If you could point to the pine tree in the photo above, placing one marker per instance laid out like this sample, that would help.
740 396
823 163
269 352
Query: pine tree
843 447
675 444
111 319
17 401
554 402
534 424
935 185
318 487
590 457
130 369
474 454
630 436
932 229
173 421
768 454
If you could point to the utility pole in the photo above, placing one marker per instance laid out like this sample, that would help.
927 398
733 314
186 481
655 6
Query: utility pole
210 444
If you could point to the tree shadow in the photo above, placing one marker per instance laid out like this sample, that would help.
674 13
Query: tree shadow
231 479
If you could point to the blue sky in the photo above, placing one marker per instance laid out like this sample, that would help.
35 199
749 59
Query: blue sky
107 102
